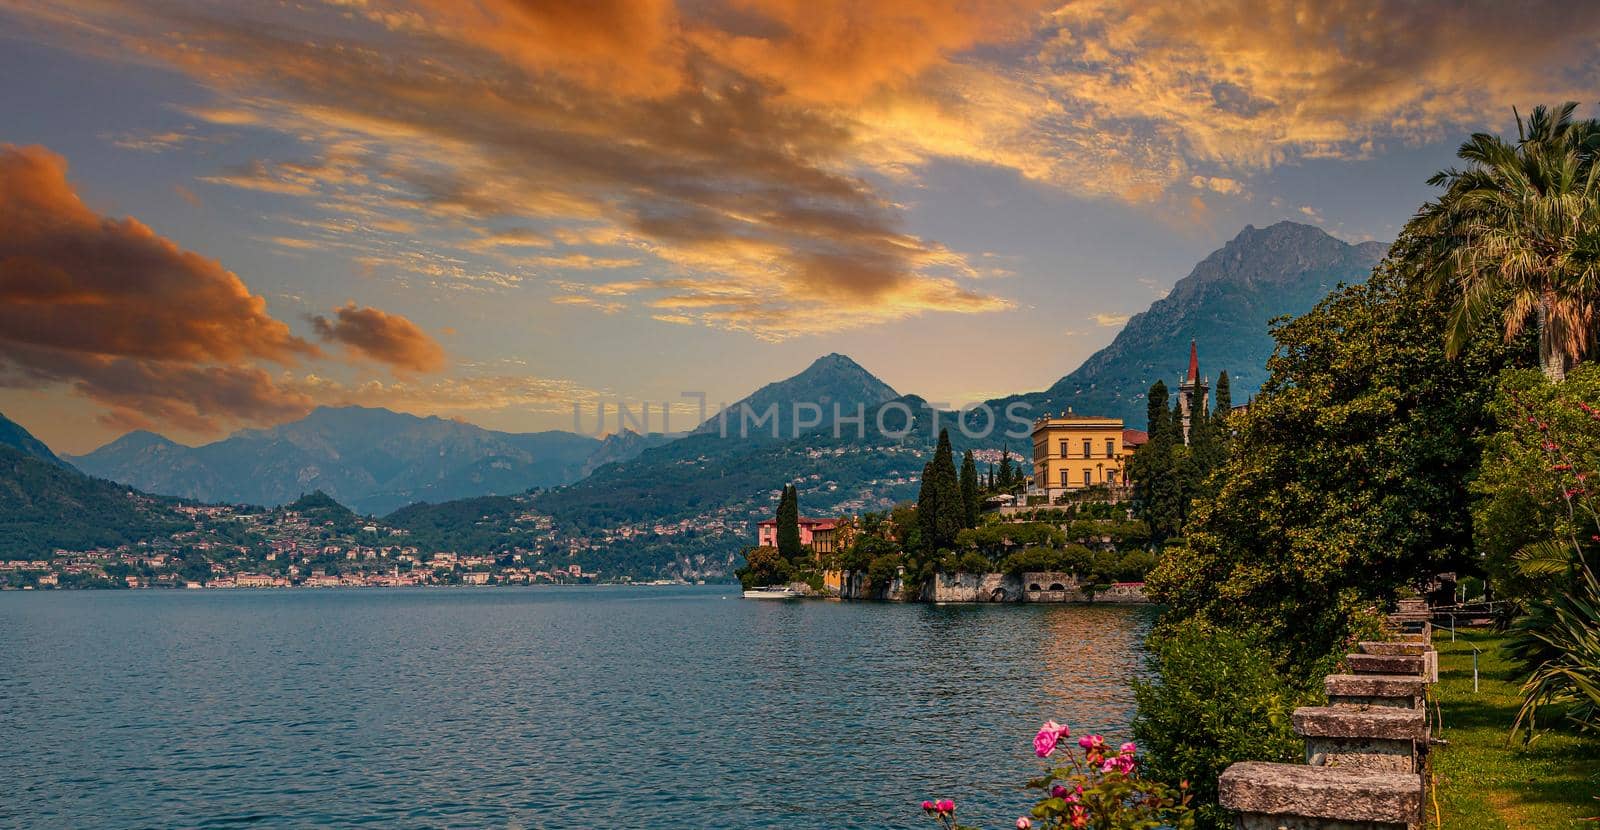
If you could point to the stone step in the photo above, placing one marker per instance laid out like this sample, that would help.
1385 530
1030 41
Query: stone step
1404 605
1392 647
1384 722
1399 690
1386 664
1378 738
1299 797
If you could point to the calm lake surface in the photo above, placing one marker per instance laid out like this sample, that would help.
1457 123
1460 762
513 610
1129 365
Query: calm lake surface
537 708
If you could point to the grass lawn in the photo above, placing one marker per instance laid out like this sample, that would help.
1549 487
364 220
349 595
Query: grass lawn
1483 782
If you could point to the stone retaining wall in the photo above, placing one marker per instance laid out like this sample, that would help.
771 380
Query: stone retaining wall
996 587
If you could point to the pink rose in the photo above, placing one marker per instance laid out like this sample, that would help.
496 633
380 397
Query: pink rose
1044 743
927 806
1058 791
947 806
1092 742
1129 748
1023 823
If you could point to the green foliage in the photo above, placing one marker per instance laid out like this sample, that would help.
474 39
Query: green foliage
1514 235
1347 477
973 562
883 569
789 524
1219 699
764 566
969 491
1558 643
942 504
1529 490
995 539
44 506
1158 470
1008 474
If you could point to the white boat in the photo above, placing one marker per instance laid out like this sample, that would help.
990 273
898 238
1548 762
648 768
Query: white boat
772 592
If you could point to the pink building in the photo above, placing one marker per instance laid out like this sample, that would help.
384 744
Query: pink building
818 533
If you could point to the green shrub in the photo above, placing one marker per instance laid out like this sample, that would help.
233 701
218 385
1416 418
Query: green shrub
974 563
1219 699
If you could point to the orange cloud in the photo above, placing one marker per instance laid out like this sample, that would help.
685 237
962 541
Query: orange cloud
704 142
124 316
159 336
383 337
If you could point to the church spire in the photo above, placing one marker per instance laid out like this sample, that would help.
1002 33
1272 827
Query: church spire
1194 363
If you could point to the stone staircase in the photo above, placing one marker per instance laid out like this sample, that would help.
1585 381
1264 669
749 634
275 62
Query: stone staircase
1366 751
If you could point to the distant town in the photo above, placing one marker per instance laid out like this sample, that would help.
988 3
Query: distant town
313 543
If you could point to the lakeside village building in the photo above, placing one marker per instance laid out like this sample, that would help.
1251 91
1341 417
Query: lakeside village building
1074 452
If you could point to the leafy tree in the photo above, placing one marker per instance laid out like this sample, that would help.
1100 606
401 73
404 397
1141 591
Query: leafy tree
764 566
789 524
1348 476
1517 235
969 491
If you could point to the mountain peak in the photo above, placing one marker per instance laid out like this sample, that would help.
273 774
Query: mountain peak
1222 307
833 379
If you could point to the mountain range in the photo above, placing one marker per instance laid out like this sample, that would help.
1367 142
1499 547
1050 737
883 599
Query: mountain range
683 504
373 460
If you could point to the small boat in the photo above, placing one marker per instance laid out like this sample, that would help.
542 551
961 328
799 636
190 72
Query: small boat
772 592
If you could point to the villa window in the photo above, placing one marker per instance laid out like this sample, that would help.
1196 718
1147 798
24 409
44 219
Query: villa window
1088 477
1087 452
1111 448
1065 482
1064 452
1111 476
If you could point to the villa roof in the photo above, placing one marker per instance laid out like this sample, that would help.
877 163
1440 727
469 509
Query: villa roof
814 524
1134 437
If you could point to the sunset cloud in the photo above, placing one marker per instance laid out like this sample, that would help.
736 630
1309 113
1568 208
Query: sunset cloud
736 152
157 335
124 316
714 148
383 337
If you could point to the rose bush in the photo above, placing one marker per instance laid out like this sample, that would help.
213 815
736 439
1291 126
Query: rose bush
1095 788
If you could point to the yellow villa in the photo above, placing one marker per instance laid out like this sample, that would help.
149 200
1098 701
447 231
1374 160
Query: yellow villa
1071 452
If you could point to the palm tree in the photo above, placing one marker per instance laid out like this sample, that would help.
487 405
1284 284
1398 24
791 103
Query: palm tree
1518 231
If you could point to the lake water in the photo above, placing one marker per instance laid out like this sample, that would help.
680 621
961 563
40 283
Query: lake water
537 708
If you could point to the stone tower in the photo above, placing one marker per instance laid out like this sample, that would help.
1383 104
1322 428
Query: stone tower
1193 391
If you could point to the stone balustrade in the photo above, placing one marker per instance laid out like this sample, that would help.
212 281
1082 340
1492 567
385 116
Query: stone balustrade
1366 751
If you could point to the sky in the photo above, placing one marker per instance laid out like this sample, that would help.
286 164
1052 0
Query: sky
217 216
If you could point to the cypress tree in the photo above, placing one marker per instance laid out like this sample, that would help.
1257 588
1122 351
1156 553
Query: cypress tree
1155 418
990 487
1007 477
951 515
789 524
1155 465
969 490
928 508
1224 398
